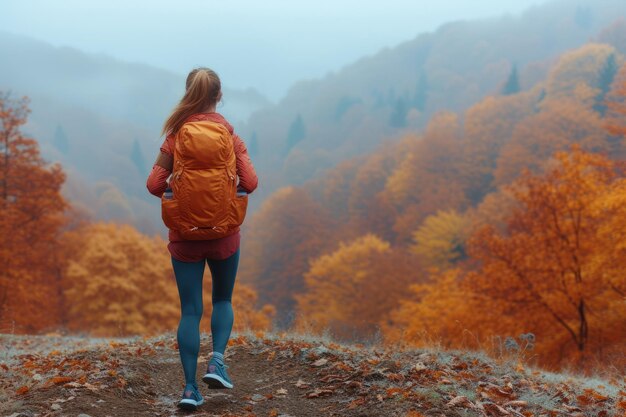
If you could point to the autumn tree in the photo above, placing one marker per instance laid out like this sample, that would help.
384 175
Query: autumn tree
489 125
369 209
121 282
581 70
352 290
555 127
31 217
617 105
551 265
441 312
428 177
288 230
440 240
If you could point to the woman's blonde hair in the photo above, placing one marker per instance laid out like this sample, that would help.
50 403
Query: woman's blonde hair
203 88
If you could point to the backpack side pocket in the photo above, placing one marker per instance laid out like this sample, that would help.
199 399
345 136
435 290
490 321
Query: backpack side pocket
170 213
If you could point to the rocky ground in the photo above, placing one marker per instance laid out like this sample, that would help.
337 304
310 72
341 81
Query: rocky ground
285 375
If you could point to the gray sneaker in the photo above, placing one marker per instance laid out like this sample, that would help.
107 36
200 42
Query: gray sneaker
191 398
216 376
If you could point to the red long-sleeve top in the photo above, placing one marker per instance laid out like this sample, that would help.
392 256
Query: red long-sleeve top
197 250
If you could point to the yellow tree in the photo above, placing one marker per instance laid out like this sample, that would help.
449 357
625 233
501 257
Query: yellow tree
31 216
352 290
442 312
440 240
551 266
579 70
121 282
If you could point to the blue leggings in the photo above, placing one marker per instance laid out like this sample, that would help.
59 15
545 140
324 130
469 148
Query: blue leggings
189 281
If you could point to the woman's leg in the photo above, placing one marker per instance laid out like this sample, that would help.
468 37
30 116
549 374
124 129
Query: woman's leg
189 282
223 273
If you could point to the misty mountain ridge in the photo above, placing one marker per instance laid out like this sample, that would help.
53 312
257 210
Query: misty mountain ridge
100 117
397 90
110 87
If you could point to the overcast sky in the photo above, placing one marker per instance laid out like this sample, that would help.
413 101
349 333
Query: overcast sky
266 45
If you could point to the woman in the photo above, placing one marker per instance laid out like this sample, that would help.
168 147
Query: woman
203 92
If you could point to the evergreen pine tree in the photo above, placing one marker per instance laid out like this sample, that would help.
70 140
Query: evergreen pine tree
60 140
253 145
605 79
512 84
297 132
137 157
399 112
421 93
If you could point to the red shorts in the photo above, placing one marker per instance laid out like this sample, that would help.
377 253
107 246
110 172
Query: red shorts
198 250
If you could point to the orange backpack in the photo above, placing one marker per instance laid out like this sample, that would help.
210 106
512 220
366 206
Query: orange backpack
204 203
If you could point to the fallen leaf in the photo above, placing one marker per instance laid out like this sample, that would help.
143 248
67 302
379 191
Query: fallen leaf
319 392
516 403
302 384
459 401
419 366
58 380
356 403
320 362
495 409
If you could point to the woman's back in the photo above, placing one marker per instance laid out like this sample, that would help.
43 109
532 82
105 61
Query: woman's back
221 248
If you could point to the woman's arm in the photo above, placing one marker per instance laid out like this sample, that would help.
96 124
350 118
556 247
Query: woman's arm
161 170
248 179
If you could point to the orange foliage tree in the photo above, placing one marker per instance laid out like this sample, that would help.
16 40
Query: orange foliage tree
31 217
442 312
289 229
551 265
489 125
617 105
428 178
559 124
351 291
554 271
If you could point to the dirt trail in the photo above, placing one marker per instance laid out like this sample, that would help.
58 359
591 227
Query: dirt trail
279 376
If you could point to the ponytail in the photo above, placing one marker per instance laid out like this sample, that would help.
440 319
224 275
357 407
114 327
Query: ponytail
202 90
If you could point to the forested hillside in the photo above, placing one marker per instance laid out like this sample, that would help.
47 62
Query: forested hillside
352 110
507 219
